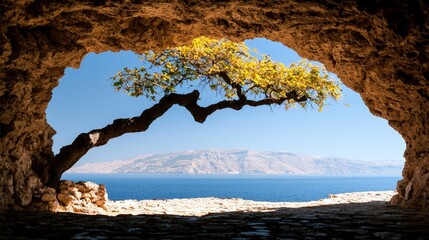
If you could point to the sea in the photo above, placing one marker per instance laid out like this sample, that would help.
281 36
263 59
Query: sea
273 188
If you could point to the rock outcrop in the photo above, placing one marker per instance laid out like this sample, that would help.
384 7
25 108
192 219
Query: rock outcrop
211 205
80 197
379 49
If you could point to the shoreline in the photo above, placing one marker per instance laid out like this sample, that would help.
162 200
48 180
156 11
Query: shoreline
91 198
210 205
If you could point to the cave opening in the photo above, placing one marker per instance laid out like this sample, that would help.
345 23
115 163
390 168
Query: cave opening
380 50
339 132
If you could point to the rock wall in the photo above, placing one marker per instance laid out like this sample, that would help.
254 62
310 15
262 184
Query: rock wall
80 197
379 49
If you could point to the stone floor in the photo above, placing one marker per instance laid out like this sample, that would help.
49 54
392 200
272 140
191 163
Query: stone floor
372 220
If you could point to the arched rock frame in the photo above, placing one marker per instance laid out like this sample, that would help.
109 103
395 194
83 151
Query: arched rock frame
380 50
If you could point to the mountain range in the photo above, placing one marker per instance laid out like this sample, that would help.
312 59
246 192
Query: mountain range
240 162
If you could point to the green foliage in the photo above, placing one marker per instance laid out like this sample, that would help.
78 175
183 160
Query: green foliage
230 69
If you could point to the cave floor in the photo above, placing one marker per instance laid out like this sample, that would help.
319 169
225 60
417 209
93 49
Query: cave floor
372 220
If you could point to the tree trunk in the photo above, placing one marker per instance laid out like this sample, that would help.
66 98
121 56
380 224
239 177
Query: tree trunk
69 155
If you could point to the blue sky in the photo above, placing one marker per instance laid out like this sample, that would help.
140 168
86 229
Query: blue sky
85 100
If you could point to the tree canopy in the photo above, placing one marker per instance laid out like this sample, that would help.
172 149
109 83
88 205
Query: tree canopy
243 77
230 69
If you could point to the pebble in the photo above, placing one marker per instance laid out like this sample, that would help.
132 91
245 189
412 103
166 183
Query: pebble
345 216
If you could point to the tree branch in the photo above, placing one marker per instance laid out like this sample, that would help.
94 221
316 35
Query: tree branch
70 154
236 86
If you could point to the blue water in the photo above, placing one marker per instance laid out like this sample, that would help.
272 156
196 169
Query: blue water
252 187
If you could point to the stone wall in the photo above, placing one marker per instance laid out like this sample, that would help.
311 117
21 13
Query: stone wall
80 197
379 49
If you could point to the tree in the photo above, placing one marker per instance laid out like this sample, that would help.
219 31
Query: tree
243 77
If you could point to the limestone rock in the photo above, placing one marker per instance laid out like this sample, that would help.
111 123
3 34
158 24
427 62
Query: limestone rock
47 197
100 202
87 186
54 206
66 199
379 49
76 193
84 197
204 206
65 185
396 200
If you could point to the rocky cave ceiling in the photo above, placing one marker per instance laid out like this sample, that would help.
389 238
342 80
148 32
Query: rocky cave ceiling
379 49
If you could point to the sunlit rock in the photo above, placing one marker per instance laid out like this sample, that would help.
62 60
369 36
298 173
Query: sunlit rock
378 49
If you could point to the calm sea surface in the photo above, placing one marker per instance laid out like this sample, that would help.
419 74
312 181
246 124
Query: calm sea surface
275 188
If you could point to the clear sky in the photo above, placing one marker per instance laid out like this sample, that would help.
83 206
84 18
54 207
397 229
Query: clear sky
85 100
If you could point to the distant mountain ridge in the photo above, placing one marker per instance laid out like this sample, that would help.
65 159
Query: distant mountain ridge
239 162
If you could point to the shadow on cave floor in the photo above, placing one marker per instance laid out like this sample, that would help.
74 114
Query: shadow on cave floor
374 220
